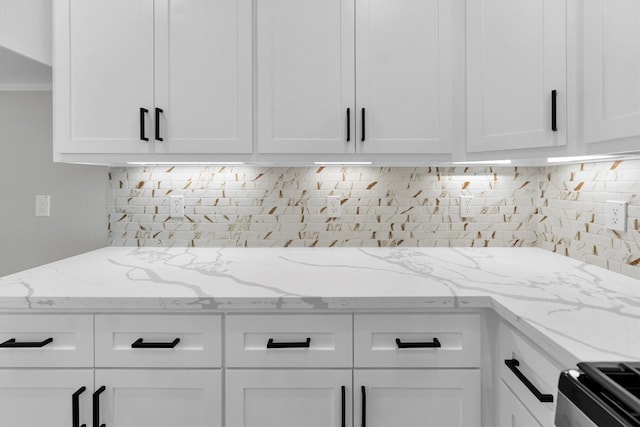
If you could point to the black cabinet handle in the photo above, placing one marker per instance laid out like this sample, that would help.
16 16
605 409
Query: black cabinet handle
513 365
75 408
158 112
363 126
143 112
96 407
364 406
11 343
344 409
304 344
433 344
348 124
554 124
140 344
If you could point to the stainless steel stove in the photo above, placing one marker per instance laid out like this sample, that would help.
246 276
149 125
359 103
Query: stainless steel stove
603 394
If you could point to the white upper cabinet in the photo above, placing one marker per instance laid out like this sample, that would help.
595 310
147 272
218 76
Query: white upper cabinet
310 97
404 76
305 76
611 70
203 76
516 61
103 62
144 76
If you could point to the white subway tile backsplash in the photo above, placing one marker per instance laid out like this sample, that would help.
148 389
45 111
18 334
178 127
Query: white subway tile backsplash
559 208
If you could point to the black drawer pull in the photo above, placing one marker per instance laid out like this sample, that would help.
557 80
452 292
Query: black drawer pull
304 344
513 365
96 407
433 344
158 112
554 124
75 407
364 406
344 409
143 112
139 344
11 343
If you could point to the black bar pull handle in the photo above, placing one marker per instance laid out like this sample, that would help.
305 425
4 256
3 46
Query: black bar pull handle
75 407
433 344
303 344
363 126
364 406
348 124
554 98
158 112
11 343
96 407
513 365
344 409
140 344
143 112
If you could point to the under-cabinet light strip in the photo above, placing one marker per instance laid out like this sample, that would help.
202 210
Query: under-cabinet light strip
578 158
183 163
342 163
484 162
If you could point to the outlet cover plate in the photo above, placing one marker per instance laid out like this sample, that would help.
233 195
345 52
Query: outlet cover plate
615 215
466 207
334 206
176 209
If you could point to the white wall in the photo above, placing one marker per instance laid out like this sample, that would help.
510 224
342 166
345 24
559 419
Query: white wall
78 193
25 27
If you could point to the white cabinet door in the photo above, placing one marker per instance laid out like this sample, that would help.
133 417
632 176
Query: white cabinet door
203 76
37 398
288 398
611 69
511 412
404 74
417 398
103 61
516 57
305 76
160 398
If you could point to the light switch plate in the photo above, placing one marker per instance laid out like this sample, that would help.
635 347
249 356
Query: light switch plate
43 205
615 215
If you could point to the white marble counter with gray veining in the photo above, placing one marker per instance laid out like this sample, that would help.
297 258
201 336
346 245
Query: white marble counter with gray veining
574 310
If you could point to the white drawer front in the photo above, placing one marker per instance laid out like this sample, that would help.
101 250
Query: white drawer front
538 368
199 344
425 340
329 340
56 340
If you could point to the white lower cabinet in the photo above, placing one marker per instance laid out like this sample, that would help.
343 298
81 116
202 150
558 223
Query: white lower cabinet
159 398
37 398
530 377
417 398
288 398
511 412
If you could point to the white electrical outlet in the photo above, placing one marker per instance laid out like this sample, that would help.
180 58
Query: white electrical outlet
177 207
43 205
466 207
333 206
615 215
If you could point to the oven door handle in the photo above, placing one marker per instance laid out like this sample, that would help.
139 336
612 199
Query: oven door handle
513 365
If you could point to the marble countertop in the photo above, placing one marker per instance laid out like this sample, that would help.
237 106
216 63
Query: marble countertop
573 310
